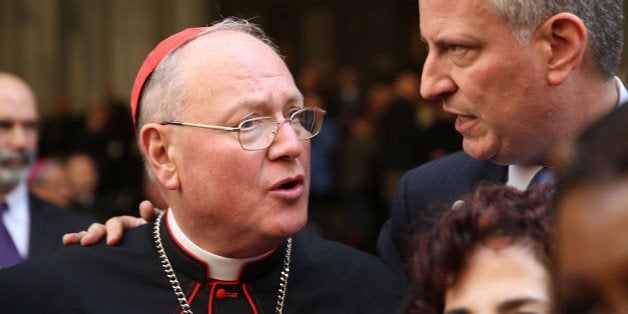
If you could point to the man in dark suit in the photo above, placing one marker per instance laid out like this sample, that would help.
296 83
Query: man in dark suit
31 226
521 79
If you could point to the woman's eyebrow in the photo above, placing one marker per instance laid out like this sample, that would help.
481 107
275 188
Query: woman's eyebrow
457 311
509 305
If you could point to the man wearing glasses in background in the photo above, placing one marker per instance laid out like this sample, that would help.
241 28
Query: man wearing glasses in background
224 134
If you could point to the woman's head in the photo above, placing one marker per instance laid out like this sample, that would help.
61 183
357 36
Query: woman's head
498 237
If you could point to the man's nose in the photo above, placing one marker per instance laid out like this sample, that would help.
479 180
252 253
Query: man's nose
286 143
436 81
19 137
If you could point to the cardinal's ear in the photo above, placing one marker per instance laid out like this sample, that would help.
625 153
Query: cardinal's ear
157 149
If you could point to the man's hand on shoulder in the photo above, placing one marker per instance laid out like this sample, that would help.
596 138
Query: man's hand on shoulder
113 229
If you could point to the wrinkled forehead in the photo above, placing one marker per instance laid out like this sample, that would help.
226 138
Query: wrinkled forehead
446 18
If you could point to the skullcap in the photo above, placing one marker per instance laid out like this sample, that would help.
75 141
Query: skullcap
154 58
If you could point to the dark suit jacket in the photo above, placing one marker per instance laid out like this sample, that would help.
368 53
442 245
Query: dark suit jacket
49 223
423 191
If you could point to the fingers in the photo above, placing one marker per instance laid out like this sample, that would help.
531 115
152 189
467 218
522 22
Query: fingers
115 227
73 238
148 211
94 233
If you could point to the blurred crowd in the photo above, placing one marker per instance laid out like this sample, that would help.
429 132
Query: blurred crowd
91 162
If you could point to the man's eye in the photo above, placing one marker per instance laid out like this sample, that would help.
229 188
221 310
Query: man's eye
5 125
248 124
32 126
457 48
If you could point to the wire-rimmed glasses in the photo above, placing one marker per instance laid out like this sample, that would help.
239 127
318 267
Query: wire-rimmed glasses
259 132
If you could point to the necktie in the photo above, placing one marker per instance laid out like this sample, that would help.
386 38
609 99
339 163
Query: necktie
544 176
9 255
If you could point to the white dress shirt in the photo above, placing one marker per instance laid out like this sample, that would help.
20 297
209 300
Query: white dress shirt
17 217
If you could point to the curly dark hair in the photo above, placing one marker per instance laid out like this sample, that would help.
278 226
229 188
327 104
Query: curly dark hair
491 212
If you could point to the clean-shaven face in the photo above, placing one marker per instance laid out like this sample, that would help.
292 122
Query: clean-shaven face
246 194
493 83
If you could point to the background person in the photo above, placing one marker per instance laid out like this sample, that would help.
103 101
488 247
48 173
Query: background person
48 180
29 226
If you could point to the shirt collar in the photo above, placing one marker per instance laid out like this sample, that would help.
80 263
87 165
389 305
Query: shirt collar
220 268
623 93
519 176
17 218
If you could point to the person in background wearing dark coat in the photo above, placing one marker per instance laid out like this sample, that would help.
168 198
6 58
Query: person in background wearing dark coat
29 226
225 135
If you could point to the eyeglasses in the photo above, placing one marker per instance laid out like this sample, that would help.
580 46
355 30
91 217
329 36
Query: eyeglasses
259 132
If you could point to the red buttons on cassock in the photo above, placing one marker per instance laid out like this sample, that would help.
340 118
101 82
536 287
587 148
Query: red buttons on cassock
221 294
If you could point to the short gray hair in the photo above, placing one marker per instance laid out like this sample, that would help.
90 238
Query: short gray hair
602 18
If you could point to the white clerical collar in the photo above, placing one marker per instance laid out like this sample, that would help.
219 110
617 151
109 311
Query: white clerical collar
220 268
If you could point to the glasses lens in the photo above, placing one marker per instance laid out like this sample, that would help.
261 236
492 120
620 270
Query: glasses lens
259 133
256 133
307 123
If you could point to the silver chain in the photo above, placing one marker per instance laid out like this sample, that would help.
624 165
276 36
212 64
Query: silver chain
176 287
283 279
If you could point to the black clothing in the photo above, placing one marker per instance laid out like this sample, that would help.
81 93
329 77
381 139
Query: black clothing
423 191
48 224
324 277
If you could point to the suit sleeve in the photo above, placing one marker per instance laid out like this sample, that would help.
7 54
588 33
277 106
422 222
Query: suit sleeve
392 240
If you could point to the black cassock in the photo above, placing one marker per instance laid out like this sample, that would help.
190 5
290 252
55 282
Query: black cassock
324 277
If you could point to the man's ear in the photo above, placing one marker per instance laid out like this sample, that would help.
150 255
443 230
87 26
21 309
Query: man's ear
155 146
567 39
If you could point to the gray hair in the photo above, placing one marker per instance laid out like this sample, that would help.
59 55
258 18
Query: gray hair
164 89
602 18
